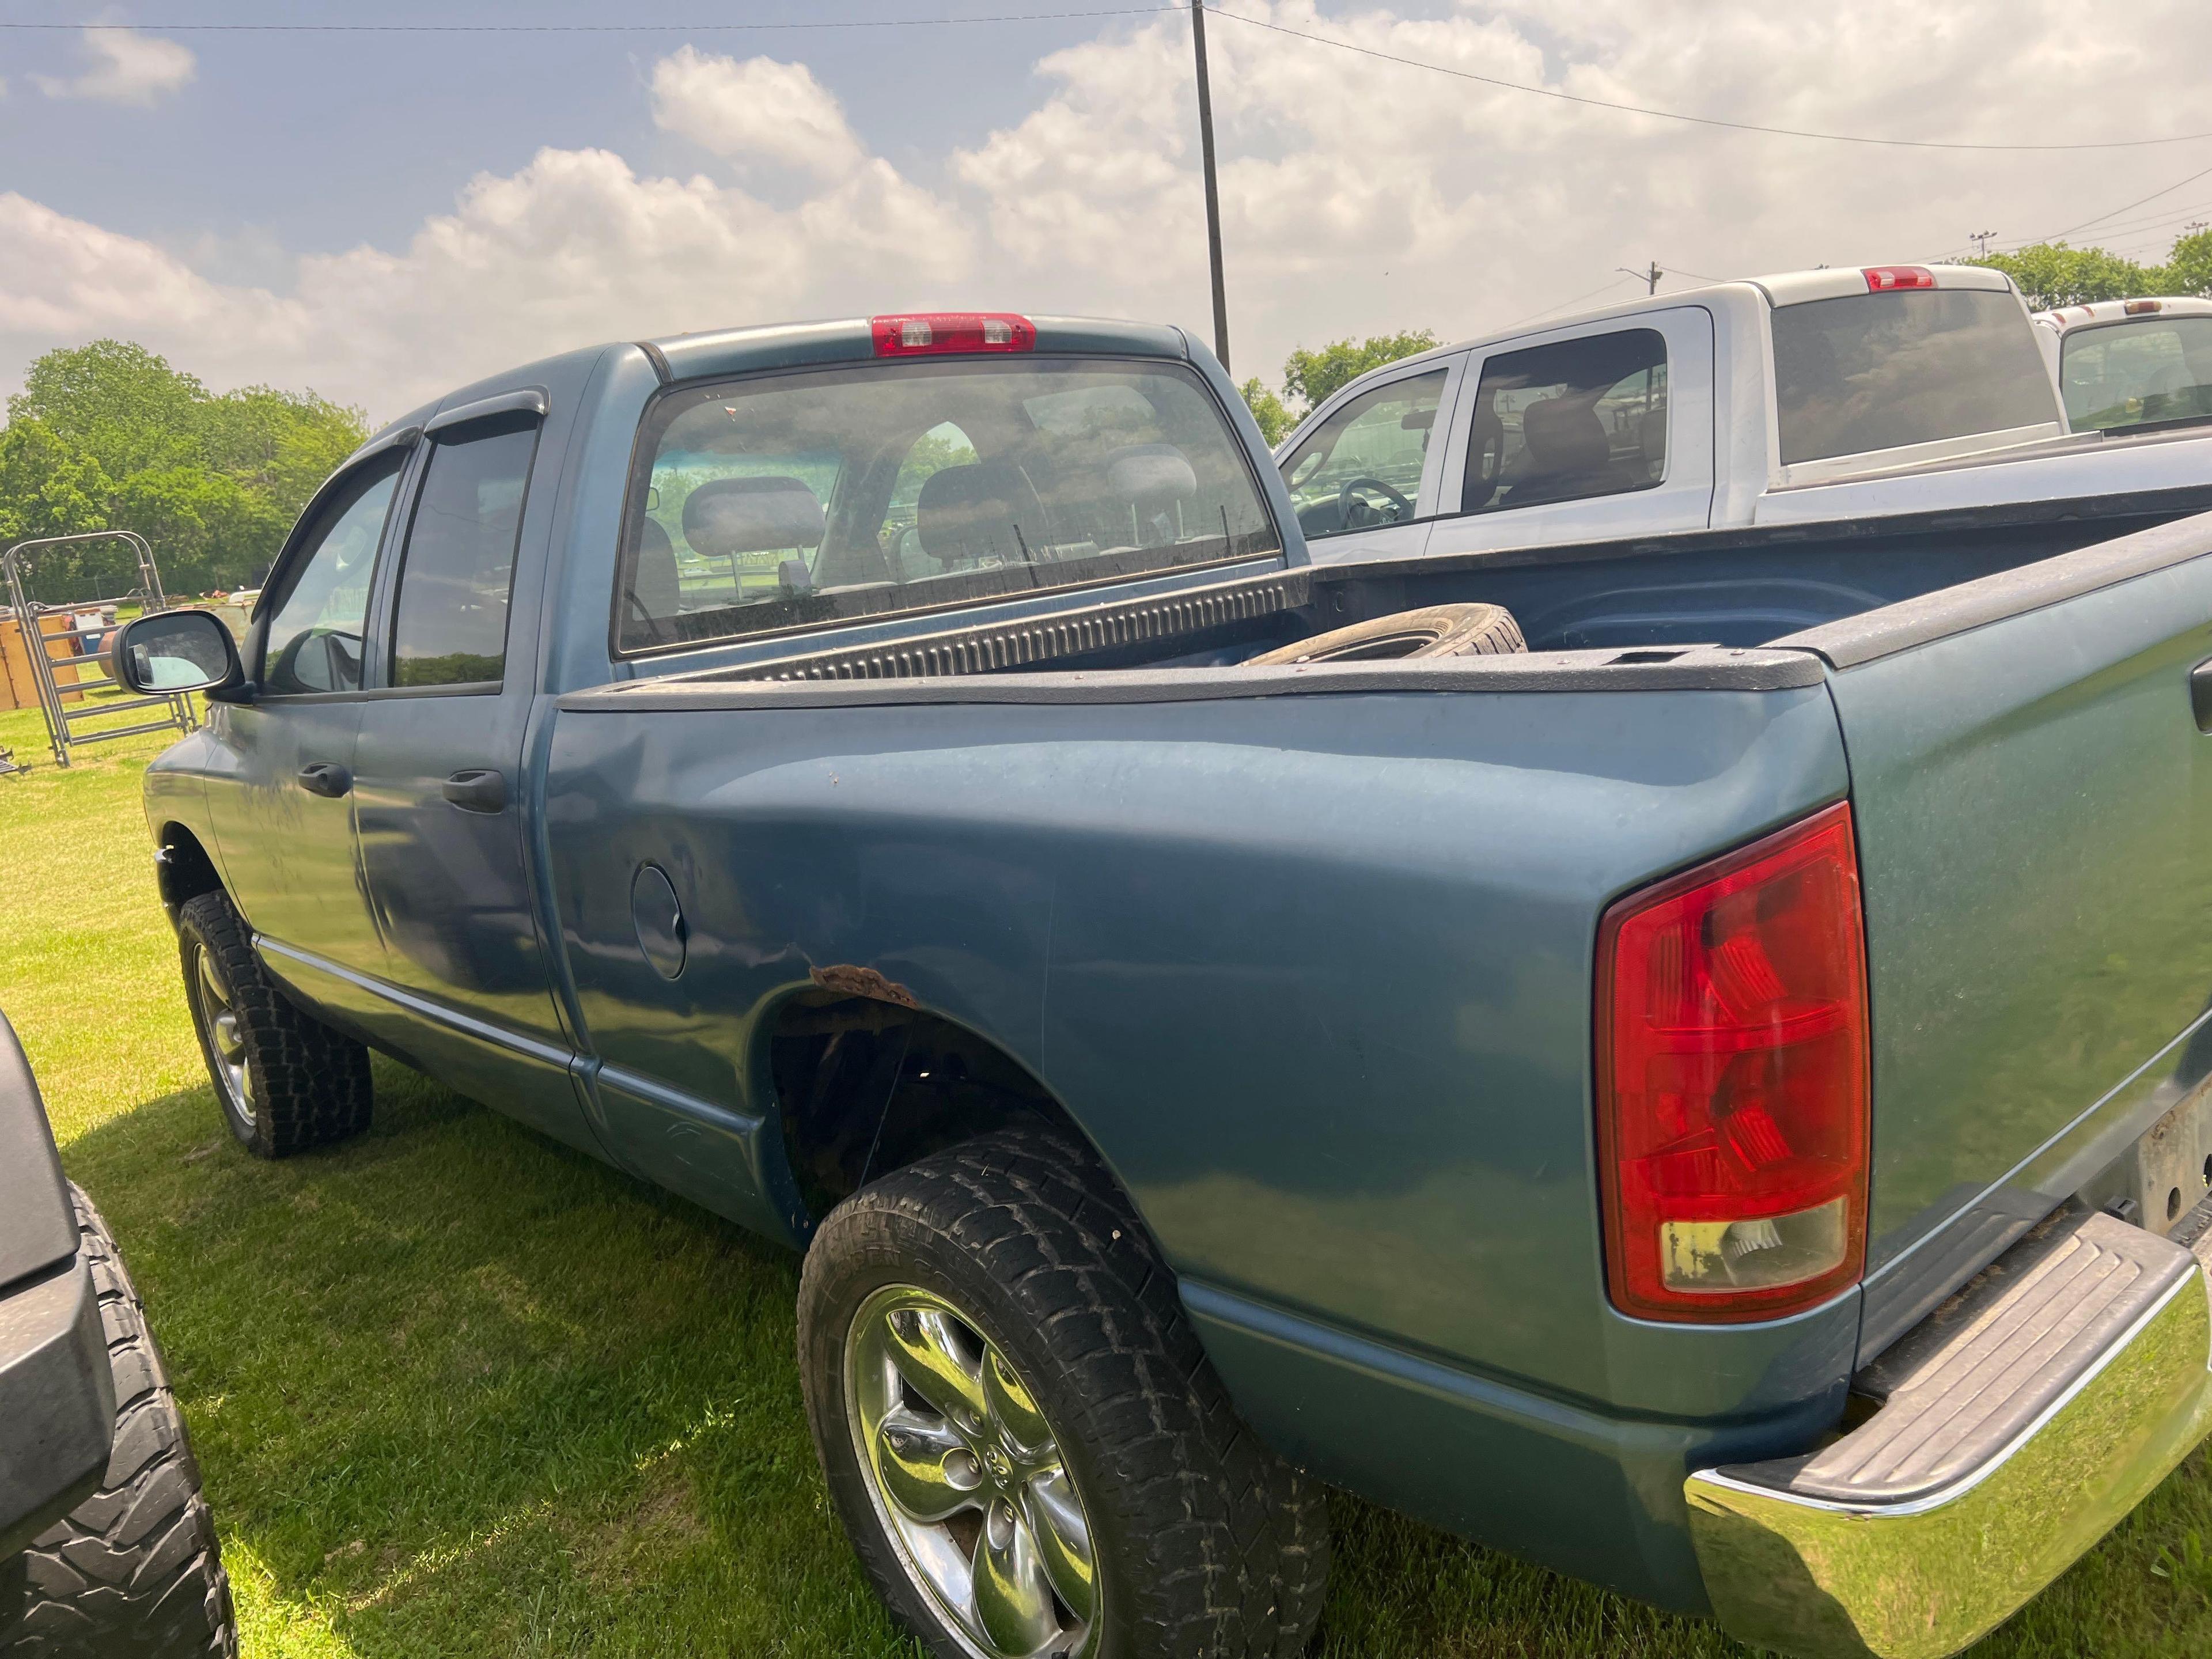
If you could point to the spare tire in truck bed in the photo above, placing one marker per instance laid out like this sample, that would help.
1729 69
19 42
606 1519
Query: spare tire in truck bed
1437 630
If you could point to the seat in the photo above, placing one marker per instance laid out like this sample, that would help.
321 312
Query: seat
1567 453
728 516
979 510
655 593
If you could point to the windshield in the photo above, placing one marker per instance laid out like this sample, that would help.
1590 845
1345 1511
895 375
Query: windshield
901 485
1880 371
2138 374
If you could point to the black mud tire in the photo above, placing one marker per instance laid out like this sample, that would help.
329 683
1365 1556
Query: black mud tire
1437 630
1209 1545
309 1084
134 1571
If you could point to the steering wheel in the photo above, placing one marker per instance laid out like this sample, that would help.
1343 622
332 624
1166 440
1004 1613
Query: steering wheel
1358 515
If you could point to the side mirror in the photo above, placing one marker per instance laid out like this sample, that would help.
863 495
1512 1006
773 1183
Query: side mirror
174 651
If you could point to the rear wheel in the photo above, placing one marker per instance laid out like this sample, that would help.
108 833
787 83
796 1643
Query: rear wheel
285 1080
1021 1435
134 1571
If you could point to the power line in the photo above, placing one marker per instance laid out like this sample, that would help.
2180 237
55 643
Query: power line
1078 15
1565 305
585 28
1697 120
2116 212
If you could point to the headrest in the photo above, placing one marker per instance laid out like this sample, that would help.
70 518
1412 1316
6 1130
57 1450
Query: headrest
970 512
752 515
1150 475
654 580
1651 436
1564 435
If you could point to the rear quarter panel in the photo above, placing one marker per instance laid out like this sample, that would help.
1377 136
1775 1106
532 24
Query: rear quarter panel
1313 974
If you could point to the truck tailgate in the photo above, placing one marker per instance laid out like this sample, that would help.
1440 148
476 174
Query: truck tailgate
2033 798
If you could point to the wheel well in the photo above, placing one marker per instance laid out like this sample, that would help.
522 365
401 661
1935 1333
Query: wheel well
182 867
865 1087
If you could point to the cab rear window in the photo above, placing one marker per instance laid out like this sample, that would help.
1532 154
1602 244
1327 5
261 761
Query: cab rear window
2146 372
805 498
1883 371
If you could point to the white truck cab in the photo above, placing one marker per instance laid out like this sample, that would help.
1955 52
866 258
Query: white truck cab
2130 364
1804 398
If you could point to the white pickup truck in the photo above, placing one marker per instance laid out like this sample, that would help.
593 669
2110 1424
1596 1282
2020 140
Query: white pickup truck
1829 397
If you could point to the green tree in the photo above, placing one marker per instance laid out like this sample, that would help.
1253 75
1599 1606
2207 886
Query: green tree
2051 275
1310 376
2189 266
110 436
1274 418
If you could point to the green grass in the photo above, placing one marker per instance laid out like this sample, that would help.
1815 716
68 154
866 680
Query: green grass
460 1391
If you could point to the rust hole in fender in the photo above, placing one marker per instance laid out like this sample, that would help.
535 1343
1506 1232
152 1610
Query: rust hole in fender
849 979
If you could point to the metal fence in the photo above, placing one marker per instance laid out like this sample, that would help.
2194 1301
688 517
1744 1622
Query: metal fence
66 668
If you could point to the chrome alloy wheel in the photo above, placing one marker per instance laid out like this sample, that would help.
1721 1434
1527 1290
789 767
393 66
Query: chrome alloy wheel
226 1042
967 1476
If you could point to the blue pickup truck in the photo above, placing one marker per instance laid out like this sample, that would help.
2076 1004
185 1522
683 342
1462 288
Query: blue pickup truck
1724 1119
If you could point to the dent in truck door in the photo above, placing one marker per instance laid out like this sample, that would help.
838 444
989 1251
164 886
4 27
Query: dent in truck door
2034 810
279 792
437 778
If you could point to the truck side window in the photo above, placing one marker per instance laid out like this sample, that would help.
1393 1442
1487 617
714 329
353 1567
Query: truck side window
450 621
1362 467
314 637
1568 421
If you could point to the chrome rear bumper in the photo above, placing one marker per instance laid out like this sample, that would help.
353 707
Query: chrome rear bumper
2018 1426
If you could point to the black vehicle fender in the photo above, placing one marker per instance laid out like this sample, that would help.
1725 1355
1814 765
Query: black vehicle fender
57 1396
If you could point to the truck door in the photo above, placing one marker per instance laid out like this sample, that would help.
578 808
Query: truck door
1599 431
1365 477
281 800
437 774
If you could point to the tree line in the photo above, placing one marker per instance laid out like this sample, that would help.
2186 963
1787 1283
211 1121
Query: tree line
109 436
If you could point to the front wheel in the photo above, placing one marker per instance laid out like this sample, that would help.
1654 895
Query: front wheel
285 1080
1021 1435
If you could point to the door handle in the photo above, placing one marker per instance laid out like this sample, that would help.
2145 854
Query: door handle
326 778
478 790
2200 695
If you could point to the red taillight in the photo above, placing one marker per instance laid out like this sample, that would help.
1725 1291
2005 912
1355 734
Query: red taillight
1886 279
1732 1081
2140 308
918 333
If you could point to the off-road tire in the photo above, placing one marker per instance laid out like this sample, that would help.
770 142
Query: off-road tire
311 1084
1435 630
1209 1546
133 1572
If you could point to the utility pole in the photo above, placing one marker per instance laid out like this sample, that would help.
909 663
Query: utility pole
1648 278
1213 191
1981 240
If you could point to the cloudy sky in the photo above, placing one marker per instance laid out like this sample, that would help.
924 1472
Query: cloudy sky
382 214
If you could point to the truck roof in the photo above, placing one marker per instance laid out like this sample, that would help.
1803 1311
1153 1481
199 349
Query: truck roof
2115 311
1788 287
746 348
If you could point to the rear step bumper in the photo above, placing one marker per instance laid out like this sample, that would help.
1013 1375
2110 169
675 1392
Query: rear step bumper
2017 1426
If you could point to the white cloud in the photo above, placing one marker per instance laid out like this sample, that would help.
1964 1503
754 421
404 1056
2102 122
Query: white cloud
1358 196
127 68
756 111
